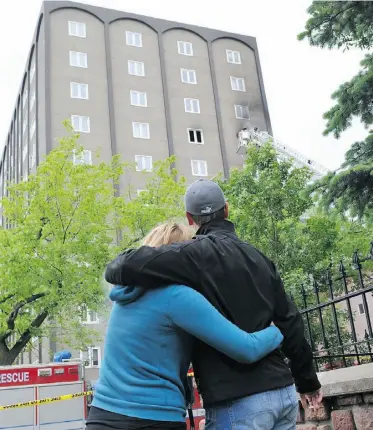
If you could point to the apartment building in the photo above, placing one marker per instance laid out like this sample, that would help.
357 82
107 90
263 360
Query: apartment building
133 85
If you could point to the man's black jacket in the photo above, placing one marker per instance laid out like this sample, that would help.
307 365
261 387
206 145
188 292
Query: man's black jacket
244 286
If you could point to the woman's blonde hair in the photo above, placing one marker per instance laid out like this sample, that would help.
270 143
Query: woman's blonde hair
168 233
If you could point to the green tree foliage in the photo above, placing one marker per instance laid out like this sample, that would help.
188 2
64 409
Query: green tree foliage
61 229
344 25
269 207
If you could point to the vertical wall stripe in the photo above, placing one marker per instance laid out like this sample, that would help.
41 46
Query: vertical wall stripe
109 74
166 100
218 111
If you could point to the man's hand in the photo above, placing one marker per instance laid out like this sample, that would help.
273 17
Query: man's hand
311 400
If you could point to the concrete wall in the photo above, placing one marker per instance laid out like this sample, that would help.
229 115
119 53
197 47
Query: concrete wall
348 403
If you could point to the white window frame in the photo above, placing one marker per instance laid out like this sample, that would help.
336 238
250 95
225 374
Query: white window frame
32 129
89 352
24 124
238 84
74 28
195 130
232 56
361 308
146 157
137 67
24 152
32 68
32 100
131 39
24 97
138 129
80 119
188 76
198 172
138 98
89 313
192 103
83 157
80 57
185 48
80 90
33 156
238 108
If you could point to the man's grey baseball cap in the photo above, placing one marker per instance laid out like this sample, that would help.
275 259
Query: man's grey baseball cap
204 197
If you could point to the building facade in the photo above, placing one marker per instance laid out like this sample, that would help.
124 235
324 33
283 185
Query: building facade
137 86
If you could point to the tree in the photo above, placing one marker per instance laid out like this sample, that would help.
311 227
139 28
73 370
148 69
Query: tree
269 207
61 225
159 201
345 25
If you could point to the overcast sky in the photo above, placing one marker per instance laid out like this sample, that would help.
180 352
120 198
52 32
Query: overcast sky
298 79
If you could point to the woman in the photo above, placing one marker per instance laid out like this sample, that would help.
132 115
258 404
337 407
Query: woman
149 346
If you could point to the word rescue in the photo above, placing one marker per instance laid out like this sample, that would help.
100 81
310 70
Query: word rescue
14 377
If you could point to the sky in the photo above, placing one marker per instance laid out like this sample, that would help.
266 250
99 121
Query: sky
298 79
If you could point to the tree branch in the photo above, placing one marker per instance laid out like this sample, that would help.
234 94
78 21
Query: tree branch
13 316
25 337
6 298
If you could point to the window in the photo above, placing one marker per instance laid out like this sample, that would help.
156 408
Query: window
81 123
136 68
32 69
82 157
88 316
24 125
32 129
77 29
91 357
199 168
24 97
242 112
78 59
134 39
361 308
185 48
192 105
78 91
188 76
24 152
141 130
144 163
33 156
32 100
238 84
138 98
233 57
195 136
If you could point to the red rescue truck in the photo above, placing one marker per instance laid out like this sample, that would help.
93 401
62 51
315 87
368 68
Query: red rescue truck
19 384
197 407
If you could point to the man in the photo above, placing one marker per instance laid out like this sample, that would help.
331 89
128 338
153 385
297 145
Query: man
245 286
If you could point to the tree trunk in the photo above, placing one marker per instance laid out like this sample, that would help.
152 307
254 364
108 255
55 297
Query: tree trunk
8 356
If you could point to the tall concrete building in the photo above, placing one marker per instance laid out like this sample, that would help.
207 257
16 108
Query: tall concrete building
142 87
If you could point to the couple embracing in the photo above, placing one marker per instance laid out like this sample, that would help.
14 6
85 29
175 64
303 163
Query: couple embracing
213 300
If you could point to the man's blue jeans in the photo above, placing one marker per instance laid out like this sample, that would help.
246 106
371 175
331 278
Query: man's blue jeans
271 410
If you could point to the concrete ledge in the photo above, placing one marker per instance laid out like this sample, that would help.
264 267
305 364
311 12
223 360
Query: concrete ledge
349 380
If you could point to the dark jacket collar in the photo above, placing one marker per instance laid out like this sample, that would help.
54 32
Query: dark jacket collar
216 226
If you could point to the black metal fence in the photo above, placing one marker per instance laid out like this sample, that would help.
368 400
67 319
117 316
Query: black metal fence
337 308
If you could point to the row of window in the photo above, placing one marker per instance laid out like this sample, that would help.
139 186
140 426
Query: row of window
137 68
79 29
140 99
143 163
